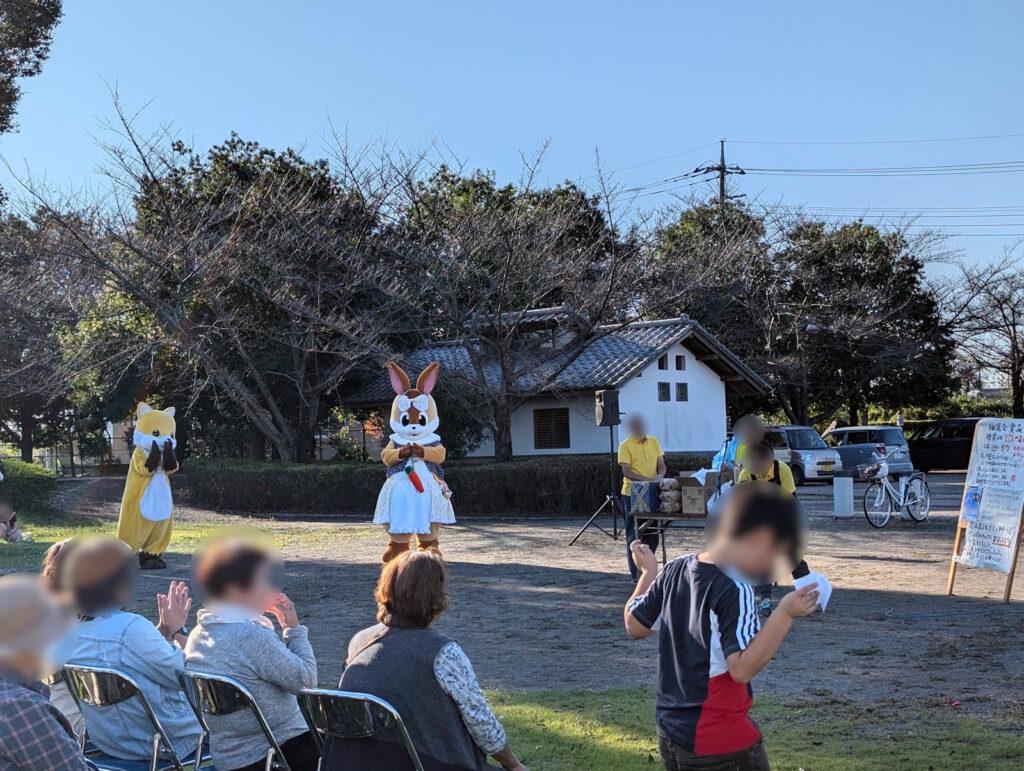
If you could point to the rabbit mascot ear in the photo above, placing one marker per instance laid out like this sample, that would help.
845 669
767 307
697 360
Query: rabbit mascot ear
145 522
414 501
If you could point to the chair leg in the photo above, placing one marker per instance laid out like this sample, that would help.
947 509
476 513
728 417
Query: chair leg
270 759
156 752
199 751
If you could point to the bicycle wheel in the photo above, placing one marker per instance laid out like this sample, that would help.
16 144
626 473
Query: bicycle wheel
877 505
918 498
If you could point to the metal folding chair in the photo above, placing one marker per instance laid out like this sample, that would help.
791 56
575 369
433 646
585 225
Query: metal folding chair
352 716
210 694
102 687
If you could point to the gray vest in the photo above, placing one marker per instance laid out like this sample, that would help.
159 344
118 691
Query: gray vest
397 665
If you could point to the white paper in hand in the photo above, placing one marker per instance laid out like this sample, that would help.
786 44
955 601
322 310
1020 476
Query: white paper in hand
824 587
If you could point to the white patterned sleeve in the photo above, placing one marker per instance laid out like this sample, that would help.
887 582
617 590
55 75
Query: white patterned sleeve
456 677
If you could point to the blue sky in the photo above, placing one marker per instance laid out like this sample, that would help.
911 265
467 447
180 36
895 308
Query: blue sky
638 81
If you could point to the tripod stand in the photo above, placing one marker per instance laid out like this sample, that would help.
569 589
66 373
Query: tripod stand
612 502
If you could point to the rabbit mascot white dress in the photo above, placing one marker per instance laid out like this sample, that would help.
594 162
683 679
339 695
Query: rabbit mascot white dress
415 501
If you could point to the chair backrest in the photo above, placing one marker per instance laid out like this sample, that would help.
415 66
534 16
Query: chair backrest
349 715
216 695
101 687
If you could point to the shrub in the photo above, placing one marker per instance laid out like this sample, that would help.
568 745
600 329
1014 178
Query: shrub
28 486
537 486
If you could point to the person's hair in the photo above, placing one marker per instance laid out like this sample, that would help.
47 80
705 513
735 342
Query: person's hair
752 507
762 450
98 572
229 563
53 561
108 592
749 420
410 592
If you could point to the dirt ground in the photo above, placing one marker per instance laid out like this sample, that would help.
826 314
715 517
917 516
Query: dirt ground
535 613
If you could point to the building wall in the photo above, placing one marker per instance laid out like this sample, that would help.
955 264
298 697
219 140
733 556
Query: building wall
585 436
696 425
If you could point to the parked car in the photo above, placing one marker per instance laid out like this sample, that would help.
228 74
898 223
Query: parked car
806 453
942 444
857 445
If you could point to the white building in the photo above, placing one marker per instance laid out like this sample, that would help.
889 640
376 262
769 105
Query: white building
672 371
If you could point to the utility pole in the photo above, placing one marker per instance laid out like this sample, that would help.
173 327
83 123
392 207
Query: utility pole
721 174
722 170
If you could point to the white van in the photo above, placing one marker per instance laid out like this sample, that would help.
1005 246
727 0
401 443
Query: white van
810 459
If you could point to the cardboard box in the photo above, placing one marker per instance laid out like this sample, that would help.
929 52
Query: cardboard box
695 494
643 497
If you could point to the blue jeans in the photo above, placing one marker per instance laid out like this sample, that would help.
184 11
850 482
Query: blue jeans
650 537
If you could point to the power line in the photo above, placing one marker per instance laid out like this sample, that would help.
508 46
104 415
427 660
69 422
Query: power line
664 158
998 167
875 141
905 209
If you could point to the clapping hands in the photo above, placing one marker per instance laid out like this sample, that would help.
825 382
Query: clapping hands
173 608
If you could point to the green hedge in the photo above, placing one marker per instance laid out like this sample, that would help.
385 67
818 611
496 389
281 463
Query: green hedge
27 486
540 486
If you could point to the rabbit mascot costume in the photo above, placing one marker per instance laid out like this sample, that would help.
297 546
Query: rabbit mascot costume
145 521
414 500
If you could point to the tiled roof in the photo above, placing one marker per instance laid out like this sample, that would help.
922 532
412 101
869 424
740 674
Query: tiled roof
616 354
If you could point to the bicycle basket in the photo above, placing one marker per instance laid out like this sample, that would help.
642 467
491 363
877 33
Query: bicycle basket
870 471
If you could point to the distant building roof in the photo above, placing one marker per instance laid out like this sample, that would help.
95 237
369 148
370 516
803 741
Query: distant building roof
616 354
535 317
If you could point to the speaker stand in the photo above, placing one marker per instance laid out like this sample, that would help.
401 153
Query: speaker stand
612 502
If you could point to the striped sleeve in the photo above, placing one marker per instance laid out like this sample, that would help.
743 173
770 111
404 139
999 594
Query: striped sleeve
737 616
646 607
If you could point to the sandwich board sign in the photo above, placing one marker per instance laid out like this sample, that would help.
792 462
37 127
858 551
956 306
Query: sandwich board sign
988 533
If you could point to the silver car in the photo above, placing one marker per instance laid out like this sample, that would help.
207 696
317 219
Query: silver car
809 458
856 445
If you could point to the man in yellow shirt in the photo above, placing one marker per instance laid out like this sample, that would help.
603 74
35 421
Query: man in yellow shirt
761 466
641 460
747 432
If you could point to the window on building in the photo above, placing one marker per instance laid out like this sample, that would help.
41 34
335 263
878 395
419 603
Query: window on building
680 362
664 392
663 361
682 392
551 428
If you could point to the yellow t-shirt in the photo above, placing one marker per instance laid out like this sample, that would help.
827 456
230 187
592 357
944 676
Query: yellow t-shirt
741 453
641 455
785 477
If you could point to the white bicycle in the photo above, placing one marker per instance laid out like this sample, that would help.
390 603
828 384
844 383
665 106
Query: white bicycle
883 497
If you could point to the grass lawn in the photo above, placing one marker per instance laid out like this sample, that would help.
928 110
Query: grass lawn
48 528
614 731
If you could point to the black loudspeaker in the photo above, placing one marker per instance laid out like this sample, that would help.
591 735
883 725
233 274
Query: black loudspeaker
606 408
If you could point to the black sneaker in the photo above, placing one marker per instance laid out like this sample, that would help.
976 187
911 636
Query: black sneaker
151 561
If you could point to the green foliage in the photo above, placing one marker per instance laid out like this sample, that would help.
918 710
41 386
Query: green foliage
541 486
832 316
26 27
28 486
959 406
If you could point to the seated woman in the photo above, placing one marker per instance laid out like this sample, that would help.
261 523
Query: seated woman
100 574
60 696
234 638
423 674
34 736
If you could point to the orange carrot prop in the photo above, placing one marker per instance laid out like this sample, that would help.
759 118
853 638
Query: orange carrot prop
414 478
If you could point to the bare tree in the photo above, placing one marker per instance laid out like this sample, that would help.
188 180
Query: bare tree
520 279
254 273
985 304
